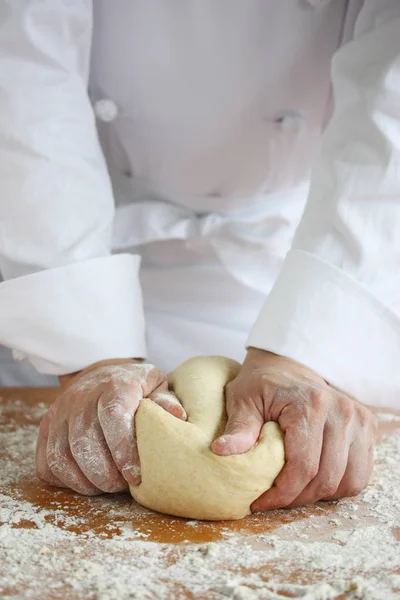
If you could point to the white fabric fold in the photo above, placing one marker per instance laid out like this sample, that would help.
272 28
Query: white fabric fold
251 242
66 318
323 318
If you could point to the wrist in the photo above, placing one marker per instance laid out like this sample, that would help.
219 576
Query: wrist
68 379
258 357
263 359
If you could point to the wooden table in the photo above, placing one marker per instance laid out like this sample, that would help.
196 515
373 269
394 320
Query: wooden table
56 544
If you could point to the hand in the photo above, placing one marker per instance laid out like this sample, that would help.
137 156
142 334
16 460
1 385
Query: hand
87 438
329 436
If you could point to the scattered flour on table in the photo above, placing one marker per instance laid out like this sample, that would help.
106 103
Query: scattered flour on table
359 561
388 417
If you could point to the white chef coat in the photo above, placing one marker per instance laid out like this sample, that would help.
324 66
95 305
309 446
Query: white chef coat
213 119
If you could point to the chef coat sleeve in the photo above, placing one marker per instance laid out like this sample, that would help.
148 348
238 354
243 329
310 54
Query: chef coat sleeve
65 302
336 305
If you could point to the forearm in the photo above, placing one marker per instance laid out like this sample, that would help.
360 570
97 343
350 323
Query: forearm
56 204
66 302
336 304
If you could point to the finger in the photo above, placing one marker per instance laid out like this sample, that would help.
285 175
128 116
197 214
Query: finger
91 453
242 429
153 381
43 471
332 467
358 472
62 463
303 447
169 402
116 413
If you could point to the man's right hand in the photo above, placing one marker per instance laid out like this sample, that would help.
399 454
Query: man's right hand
87 440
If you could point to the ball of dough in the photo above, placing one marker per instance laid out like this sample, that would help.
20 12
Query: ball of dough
180 474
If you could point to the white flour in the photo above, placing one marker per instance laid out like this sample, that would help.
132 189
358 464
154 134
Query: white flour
358 561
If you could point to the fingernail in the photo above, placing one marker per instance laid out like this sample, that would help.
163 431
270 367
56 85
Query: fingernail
218 445
180 413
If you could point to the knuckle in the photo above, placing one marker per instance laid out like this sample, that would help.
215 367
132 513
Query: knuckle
240 403
112 409
125 454
152 371
84 489
307 469
237 422
54 463
286 499
310 471
80 448
367 425
56 458
346 409
317 399
51 454
354 489
112 485
233 406
115 377
289 391
230 391
50 415
374 425
284 493
368 420
113 380
327 488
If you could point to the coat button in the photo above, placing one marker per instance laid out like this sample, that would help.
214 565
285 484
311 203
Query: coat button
290 121
105 110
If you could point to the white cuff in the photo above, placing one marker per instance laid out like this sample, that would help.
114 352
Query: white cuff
318 315
64 319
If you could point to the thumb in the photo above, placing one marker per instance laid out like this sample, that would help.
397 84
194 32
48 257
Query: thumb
242 429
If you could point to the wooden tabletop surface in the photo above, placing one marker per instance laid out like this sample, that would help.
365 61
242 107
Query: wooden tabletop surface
57 544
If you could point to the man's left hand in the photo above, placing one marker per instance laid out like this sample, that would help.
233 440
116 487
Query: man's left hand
329 436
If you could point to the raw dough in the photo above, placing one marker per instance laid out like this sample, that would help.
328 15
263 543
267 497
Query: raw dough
180 474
